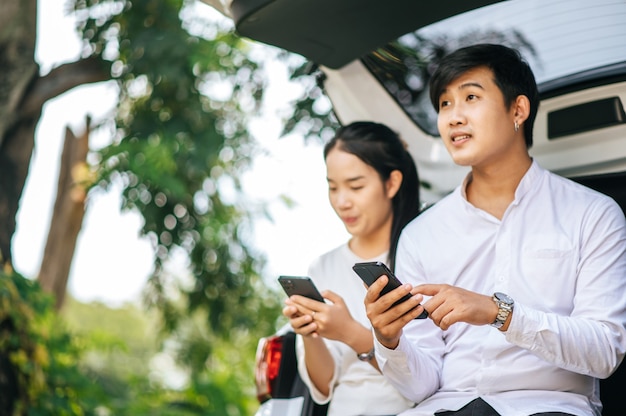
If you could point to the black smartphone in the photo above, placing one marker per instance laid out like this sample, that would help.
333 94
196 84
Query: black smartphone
300 285
369 272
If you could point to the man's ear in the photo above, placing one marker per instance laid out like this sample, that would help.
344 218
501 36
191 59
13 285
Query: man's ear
393 183
521 109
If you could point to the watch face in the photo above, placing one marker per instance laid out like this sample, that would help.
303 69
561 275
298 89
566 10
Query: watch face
503 297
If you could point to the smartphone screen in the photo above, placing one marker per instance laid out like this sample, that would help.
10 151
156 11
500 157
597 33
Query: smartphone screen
300 285
369 272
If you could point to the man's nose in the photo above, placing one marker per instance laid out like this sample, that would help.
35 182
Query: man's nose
456 115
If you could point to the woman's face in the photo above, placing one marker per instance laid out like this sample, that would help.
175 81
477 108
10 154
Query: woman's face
358 195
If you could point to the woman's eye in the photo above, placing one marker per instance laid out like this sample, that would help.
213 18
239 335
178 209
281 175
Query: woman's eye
471 97
444 104
356 188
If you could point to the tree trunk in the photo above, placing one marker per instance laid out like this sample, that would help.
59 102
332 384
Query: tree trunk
18 28
22 96
67 217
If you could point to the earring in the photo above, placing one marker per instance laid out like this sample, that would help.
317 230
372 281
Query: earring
516 127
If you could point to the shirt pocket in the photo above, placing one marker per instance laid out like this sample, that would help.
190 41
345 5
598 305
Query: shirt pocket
548 266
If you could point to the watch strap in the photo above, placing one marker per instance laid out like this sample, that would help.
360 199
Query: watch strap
504 309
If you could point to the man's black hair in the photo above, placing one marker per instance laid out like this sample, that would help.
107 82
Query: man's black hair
512 75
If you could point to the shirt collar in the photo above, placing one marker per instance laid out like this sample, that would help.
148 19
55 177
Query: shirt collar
529 179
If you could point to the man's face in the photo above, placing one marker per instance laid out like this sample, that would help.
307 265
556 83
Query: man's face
475 125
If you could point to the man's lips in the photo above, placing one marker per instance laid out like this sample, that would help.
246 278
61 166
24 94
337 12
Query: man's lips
459 137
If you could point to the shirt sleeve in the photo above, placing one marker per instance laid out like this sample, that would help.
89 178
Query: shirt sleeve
598 319
316 395
414 366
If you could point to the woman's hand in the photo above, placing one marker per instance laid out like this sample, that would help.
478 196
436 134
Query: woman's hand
301 317
329 320
334 320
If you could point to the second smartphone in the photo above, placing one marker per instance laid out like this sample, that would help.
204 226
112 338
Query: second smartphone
369 272
300 285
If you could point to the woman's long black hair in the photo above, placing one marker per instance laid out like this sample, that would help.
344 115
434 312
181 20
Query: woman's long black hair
381 148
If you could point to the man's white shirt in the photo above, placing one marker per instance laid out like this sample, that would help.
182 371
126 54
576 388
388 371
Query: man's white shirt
560 253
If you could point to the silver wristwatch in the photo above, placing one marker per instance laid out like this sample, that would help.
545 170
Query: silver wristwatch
505 306
366 356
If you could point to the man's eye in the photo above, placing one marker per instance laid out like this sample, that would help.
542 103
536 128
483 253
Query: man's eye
356 188
471 97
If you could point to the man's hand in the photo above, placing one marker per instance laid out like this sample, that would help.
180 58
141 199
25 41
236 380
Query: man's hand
388 320
450 304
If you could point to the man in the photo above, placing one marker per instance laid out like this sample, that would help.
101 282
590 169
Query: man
522 272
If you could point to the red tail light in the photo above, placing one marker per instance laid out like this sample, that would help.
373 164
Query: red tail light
268 355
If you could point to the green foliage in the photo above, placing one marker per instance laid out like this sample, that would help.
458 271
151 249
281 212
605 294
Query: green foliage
124 361
312 115
181 142
121 340
38 355
187 90
95 360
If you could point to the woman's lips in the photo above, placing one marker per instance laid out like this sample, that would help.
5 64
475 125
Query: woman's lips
349 220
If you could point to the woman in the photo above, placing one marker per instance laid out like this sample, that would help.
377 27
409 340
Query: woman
373 187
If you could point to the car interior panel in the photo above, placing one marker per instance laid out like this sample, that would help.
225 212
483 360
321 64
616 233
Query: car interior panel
333 33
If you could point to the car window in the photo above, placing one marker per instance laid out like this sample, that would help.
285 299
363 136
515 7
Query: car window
566 42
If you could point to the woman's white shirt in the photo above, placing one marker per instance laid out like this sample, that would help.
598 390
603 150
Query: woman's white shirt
357 388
